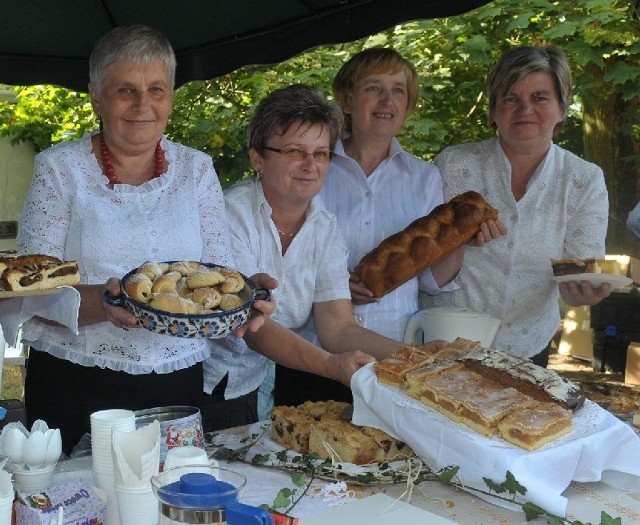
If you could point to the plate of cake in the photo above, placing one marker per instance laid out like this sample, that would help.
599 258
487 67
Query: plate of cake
316 431
493 415
573 269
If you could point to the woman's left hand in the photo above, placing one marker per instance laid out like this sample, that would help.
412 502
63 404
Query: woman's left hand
489 230
120 317
261 309
342 366
578 293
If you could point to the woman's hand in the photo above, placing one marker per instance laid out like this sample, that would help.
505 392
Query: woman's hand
360 294
578 293
489 230
120 317
261 309
342 366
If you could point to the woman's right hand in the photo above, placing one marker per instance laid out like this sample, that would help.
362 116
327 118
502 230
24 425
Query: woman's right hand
342 366
360 294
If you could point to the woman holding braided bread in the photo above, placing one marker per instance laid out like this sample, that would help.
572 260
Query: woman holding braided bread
554 204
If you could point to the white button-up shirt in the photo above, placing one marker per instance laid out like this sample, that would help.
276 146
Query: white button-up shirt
563 213
313 269
371 208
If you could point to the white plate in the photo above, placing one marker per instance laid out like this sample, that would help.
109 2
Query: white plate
596 279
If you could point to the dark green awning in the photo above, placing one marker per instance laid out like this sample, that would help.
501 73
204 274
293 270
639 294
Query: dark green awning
49 41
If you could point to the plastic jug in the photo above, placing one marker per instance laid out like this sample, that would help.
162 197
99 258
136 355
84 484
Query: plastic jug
206 496
448 323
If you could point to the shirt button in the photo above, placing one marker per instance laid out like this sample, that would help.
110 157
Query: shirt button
367 194
367 222
510 244
154 233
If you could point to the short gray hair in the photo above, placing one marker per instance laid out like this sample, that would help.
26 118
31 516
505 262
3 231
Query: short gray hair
282 108
136 43
519 62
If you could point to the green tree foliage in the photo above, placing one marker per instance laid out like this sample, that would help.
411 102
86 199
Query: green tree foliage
452 55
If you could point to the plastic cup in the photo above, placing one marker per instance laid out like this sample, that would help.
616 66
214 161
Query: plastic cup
34 480
187 455
6 508
137 505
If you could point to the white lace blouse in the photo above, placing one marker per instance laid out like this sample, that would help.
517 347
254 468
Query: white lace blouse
71 213
563 213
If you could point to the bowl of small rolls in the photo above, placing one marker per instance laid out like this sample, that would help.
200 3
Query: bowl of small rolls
187 298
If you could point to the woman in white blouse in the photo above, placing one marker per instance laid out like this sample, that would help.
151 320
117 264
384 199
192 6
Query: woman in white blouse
111 201
278 225
375 188
554 204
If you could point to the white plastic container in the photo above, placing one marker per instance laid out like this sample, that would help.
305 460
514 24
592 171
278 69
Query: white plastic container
448 323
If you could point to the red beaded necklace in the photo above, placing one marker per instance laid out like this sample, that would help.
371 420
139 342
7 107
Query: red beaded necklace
110 171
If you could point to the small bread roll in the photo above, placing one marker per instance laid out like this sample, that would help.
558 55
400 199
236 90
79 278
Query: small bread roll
204 279
167 282
233 282
230 301
182 288
186 267
173 303
153 269
139 287
209 298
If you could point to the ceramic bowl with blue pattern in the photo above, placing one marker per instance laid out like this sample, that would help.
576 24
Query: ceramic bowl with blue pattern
210 325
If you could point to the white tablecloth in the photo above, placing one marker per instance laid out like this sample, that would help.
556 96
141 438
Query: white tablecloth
601 447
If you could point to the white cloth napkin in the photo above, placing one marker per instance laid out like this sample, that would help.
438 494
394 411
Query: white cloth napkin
136 455
61 306
600 442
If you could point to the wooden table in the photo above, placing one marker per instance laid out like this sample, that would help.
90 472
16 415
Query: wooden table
586 500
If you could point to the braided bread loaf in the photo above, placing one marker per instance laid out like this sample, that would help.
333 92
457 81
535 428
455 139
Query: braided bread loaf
423 243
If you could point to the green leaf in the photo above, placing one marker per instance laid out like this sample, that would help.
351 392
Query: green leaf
299 479
532 511
282 499
448 473
605 519
512 485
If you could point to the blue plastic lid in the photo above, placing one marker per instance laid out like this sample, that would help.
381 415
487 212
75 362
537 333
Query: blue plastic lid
3 413
199 490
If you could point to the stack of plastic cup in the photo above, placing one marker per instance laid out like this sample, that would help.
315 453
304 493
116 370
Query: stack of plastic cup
137 505
6 508
102 424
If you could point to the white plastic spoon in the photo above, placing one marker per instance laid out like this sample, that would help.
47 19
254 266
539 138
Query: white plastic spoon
13 445
35 450
54 445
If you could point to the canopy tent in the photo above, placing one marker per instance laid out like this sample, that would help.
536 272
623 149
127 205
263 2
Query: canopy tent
49 42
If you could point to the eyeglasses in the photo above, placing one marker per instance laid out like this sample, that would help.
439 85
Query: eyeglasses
322 156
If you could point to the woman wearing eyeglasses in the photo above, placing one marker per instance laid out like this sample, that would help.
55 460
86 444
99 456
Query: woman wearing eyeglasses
279 225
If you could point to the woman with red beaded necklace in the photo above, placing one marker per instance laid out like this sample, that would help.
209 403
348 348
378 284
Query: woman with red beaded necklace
112 201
